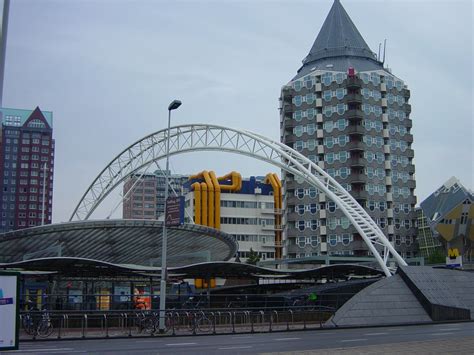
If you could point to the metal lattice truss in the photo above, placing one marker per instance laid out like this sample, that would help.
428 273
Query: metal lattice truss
203 137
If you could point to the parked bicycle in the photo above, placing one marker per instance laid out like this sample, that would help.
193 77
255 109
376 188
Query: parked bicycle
198 322
148 322
37 323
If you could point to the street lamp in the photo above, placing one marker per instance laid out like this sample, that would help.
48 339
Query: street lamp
172 106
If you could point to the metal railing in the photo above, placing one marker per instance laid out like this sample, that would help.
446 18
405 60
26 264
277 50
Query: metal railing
108 324
108 302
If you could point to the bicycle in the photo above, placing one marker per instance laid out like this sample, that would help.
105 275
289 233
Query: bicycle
198 321
42 328
145 322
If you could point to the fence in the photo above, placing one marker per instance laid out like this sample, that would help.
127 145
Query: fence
93 302
108 324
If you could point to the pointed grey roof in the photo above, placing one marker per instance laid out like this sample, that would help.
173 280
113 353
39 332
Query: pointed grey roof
340 43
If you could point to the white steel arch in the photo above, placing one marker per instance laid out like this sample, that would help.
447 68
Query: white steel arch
204 137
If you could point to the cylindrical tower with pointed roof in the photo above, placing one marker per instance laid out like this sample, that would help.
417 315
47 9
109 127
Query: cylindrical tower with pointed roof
351 116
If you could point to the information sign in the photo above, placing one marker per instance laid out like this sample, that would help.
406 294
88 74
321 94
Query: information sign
9 310
174 211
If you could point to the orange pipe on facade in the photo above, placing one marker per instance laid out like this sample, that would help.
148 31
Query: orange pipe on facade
197 202
274 180
210 198
217 200
204 204
278 239
236 179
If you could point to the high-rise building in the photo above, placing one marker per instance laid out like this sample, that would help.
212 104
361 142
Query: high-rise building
350 115
177 187
140 197
26 167
145 194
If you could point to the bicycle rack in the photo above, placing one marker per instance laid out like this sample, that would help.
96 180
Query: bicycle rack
292 320
106 326
213 322
233 321
84 326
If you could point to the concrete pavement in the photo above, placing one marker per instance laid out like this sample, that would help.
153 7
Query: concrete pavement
422 339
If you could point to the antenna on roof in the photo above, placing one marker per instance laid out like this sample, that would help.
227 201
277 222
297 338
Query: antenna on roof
378 57
384 48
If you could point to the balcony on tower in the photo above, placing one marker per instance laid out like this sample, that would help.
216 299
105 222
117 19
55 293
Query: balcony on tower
354 129
355 115
357 178
355 146
354 98
353 82
357 162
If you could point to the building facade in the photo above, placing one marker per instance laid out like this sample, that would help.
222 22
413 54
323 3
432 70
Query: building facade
449 212
144 194
350 115
246 211
27 168
428 242
140 198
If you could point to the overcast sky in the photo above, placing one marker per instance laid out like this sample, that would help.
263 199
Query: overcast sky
109 68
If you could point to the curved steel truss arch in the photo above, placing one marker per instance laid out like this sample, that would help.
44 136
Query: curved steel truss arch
204 137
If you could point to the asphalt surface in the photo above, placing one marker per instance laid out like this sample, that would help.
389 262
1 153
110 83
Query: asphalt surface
422 339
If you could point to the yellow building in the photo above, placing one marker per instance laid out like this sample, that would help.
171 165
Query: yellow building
450 211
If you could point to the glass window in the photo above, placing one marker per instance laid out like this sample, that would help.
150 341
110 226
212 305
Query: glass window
332 223
329 158
366 93
332 240
365 77
311 144
297 85
344 173
331 206
341 108
345 223
342 124
346 239
298 131
299 145
327 111
300 209
329 142
340 93
299 193
297 100
301 225
298 115
326 78
340 78
327 95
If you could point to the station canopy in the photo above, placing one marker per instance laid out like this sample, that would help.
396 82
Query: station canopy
79 267
118 242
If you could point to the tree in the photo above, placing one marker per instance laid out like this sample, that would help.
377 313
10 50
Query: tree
253 257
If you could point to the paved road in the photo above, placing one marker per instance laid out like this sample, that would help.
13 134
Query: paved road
433 339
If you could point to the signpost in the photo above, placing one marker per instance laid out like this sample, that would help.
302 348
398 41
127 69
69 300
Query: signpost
9 310
174 215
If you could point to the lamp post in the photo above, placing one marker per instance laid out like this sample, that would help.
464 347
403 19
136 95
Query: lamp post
172 106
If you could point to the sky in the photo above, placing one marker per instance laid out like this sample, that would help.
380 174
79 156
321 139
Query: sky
108 69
